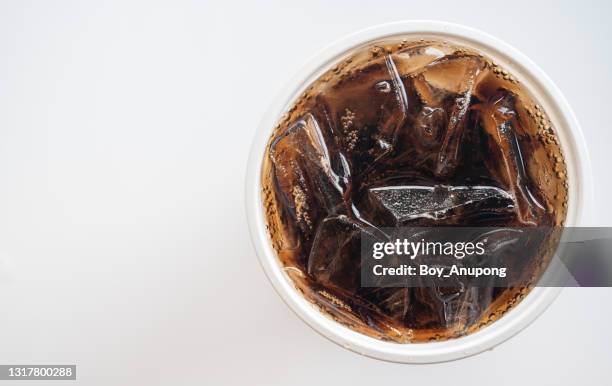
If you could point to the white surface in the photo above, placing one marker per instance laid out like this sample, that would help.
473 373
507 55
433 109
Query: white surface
123 243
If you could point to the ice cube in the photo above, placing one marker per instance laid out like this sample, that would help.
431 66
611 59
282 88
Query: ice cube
498 117
334 258
413 59
405 203
394 303
304 177
366 111
448 84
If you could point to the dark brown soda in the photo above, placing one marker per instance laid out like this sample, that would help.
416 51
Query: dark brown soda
380 139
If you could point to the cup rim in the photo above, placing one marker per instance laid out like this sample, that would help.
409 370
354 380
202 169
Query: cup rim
520 316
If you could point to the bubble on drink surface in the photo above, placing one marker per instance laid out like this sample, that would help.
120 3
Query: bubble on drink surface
407 132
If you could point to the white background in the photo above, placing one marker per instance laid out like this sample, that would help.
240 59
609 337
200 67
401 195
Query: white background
124 134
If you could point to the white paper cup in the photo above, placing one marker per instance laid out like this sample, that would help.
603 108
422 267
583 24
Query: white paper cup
572 144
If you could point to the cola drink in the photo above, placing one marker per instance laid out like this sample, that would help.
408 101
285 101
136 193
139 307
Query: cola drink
407 132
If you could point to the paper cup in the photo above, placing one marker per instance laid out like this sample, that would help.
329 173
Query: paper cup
572 144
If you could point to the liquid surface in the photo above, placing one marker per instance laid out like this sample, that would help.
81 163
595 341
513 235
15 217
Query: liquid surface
407 133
